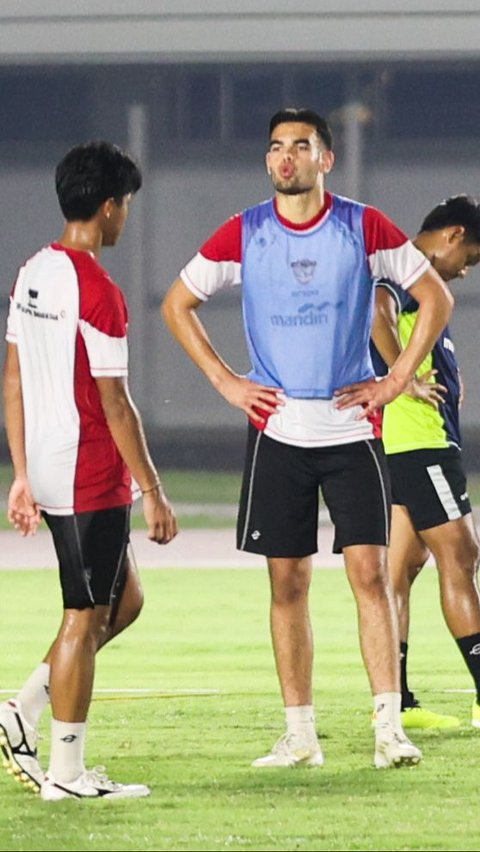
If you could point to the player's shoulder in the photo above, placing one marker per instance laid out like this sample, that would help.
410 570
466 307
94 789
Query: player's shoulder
97 291
86 265
343 202
225 243
91 275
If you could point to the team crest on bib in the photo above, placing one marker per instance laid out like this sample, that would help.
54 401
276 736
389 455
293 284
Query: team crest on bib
303 270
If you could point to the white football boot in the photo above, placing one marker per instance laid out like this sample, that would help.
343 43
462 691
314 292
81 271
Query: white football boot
91 784
290 751
18 743
393 748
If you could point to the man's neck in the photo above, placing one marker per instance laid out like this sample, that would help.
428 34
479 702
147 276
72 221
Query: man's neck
82 236
300 208
425 242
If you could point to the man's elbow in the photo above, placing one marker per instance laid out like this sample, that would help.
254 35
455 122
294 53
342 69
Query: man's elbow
176 305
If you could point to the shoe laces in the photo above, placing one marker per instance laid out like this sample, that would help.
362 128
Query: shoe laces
388 732
98 777
289 743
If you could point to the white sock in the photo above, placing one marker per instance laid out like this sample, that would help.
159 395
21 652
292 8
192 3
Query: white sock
66 750
301 721
386 709
33 696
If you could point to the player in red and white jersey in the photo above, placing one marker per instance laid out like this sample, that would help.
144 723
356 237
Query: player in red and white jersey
76 441
307 261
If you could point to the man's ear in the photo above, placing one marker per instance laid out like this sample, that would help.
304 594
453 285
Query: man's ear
456 233
106 207
327 162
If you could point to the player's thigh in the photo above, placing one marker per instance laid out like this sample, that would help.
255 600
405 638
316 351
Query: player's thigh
90 548
431 484
407 553
454 544
278 512
356 490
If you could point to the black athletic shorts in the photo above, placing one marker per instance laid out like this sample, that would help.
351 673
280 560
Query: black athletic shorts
278 513
431 484
91 548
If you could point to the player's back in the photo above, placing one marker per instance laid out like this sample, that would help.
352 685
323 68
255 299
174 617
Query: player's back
46 305
68 320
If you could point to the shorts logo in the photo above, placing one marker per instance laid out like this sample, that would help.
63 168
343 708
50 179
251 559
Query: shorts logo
464 496
256 535
475 650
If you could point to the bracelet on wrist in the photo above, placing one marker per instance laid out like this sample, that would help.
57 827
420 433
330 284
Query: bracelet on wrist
153 488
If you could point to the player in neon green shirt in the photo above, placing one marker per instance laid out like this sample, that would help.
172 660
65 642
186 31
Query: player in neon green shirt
431 511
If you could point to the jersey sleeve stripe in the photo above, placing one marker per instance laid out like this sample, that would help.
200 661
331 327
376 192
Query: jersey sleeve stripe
191 286
403 265
107 355
205 277
416 274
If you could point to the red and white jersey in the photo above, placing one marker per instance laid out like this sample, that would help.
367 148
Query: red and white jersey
219 263
69 322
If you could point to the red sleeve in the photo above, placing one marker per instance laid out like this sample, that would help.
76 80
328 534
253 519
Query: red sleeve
380 232
226 242
102 303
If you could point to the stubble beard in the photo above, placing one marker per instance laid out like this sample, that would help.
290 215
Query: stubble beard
287 188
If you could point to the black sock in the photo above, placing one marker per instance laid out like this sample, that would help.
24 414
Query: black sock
470 648
408 698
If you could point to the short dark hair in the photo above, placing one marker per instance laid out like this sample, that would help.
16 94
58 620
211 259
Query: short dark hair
90 173
457 210
305 116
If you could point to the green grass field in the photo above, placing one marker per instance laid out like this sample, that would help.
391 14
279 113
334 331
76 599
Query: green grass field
208 630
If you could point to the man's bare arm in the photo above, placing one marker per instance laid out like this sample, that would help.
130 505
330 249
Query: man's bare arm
179 310
386 339
22 510
435 306
125 426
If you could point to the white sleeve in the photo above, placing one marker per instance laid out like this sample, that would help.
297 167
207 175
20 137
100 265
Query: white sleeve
404 264
205 277
107 356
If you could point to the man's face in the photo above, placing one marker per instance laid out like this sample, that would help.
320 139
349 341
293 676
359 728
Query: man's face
296 157
115 218
455 254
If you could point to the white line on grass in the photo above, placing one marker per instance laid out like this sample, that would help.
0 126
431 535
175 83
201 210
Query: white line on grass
454 690
166 692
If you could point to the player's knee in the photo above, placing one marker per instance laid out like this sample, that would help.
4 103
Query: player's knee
289 592
469 559
135 605
369 578
463 558
80 627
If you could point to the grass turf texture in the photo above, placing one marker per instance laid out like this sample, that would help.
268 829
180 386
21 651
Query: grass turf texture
209 630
